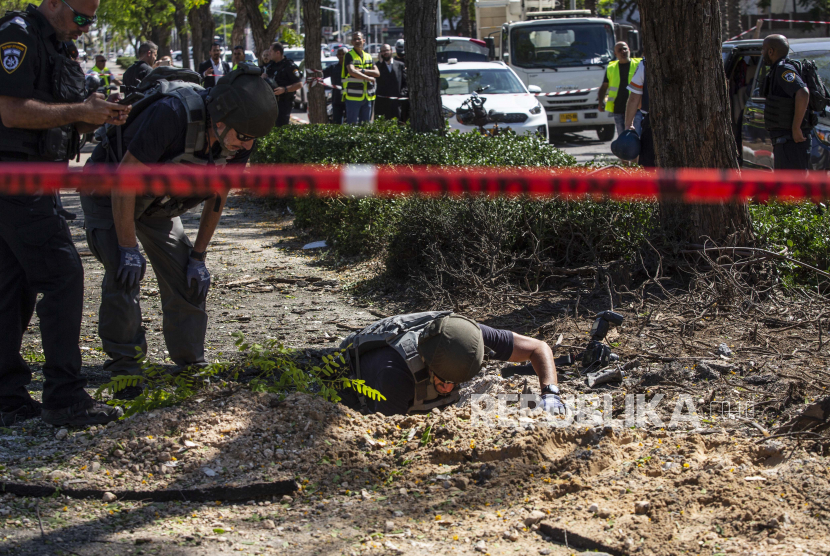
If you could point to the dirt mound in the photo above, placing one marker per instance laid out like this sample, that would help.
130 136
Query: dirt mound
712 491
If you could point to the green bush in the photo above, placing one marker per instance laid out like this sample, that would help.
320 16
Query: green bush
125 61
363 226
448 238
385 142
798 227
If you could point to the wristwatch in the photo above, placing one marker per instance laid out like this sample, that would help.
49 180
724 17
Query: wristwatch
550 389
196 256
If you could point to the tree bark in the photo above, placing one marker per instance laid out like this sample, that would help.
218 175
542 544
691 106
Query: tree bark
733 14
181 29
464 29
265 32
313 39
357 17
160 35
420 22
724 21
591 5
239 23
689 111
202 26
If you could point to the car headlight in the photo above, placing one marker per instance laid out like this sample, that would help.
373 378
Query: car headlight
447 112
536 109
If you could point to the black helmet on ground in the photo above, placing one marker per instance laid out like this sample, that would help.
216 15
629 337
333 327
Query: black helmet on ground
242 100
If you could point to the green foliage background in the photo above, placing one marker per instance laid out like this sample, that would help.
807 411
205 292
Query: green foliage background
409 232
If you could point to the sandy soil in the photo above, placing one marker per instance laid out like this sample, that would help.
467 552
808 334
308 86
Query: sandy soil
447 482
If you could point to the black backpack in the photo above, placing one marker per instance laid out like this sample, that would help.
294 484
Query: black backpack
163 81
819 96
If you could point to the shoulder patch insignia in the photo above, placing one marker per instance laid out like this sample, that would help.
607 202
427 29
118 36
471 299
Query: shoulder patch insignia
297 73
12 53
788 76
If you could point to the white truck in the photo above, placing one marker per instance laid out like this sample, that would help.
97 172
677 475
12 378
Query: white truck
560 51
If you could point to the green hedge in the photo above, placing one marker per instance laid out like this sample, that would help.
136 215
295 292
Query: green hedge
364 226
413 231
385 142
801 228
125 61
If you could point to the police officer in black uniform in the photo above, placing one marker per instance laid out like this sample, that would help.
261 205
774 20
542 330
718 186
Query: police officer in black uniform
286 75
787 99
43 110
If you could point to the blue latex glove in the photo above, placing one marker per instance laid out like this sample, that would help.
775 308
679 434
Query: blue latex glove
196 270
131 266
552 403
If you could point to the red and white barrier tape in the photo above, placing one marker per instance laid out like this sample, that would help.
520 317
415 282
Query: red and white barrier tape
571 92
319 80
777 21
687 185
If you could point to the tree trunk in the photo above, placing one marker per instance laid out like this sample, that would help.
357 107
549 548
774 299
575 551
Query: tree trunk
591 5
724 21
689 111
733 14
202 27
181 29
357 19
239 23
313 39
264 32
464 29
160 35
420 22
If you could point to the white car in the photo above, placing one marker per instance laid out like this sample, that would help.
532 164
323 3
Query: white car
503 90
249 57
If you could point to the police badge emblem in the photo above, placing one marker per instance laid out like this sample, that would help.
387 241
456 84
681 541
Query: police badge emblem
789 76
11 54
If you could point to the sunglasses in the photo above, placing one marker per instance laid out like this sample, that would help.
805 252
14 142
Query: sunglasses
81 20
444 381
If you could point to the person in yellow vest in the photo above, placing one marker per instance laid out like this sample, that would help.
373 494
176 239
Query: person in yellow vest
359 74
103 72
613 94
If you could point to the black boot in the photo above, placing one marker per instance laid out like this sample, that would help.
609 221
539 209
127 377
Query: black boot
28 409
87 412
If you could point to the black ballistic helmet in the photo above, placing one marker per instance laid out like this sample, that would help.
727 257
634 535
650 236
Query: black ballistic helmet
453 348
627 145
242 100
400 47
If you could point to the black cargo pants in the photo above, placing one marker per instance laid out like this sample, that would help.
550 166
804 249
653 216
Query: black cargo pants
37 256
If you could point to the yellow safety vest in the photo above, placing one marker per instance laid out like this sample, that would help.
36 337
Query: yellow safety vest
104 75
358 89
613 73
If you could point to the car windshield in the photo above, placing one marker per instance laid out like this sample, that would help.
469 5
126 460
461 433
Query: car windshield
820 57
486 81
295 55
822 60
327 63
463 51
559 45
